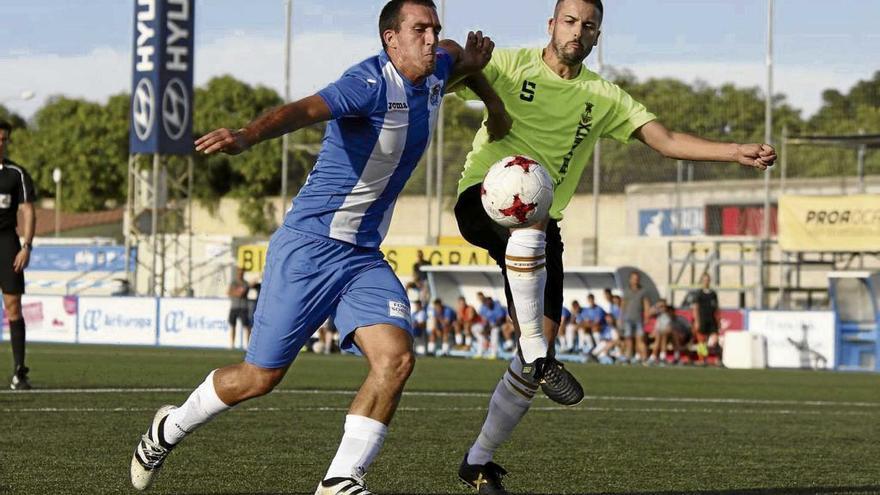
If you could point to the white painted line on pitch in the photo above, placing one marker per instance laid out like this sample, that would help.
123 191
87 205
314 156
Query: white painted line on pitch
783 412
696 400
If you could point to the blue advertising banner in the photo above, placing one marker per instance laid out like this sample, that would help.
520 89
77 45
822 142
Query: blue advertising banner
79 259
668 222
162 80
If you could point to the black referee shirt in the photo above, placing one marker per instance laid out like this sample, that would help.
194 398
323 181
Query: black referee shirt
16 187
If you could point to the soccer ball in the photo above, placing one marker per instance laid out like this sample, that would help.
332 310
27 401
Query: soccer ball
517 192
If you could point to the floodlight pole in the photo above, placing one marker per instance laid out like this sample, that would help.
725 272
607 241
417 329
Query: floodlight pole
768 116
861 165
597 162
285 140
768 138
440 143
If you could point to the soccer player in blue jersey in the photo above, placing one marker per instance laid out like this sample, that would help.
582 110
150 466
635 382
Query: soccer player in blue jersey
325 259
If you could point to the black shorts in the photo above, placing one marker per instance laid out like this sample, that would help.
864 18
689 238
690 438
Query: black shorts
480 230
708 327
241 314
10 282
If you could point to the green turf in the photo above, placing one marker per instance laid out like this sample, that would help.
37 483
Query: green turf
787 432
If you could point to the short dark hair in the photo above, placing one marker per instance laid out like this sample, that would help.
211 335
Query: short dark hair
596 3
5 126
390 16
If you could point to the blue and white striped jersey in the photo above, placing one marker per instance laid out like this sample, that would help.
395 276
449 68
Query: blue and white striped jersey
381 126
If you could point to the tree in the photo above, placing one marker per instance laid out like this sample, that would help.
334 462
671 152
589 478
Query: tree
256 174
87 141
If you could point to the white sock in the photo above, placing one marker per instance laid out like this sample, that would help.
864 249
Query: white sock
569 336
527 276
459 339
512 398
201 406
494 338
360 444
431 347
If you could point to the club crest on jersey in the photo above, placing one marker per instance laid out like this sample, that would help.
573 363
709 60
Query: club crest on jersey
397 105
5 201
435 95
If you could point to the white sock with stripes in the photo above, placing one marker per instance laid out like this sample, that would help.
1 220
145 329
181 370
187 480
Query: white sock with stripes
527 277
360 444
510 401
201 406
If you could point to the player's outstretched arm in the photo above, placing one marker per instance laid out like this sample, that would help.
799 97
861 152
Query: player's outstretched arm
683 146
274 123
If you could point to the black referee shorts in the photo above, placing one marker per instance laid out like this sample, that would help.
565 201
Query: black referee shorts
480 230
10 282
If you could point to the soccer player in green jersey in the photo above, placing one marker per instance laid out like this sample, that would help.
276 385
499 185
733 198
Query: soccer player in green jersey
558 109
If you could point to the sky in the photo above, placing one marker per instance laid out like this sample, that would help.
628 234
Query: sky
82 48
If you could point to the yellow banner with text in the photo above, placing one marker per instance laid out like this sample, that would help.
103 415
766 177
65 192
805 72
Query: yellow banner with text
830 223
252 257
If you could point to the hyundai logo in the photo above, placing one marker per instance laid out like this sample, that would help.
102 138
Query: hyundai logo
175 109
91 320
174 321
143 106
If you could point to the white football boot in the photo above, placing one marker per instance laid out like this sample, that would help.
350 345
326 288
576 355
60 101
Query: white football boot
342 486
151 451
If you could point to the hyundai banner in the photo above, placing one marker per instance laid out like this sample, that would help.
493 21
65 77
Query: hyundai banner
194 322
162 81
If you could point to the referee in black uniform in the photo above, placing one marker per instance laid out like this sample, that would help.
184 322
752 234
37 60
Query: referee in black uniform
16 191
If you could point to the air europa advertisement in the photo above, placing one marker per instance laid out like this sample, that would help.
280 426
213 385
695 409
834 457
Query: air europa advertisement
830 223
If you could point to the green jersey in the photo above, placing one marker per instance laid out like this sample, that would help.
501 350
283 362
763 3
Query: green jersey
556 121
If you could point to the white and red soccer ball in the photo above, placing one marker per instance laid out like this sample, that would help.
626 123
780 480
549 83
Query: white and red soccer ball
517 192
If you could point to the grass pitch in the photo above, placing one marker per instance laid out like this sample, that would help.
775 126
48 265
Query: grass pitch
641 431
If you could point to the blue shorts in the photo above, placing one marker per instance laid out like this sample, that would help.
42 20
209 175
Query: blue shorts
308 278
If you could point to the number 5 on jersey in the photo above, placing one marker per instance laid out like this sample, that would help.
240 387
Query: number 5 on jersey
528 91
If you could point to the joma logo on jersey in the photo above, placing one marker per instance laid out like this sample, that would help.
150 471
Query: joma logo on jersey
585 124
397 105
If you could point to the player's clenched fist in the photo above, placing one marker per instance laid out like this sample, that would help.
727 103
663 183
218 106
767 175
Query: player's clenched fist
759 156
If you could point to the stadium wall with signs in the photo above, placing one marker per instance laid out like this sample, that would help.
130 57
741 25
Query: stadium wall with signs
795 339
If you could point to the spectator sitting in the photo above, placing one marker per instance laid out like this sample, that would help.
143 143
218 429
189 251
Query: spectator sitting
562 337
670 328
608 346
662 332
569 343
466 316
420 326
593 325
495 317
327 338
440 321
